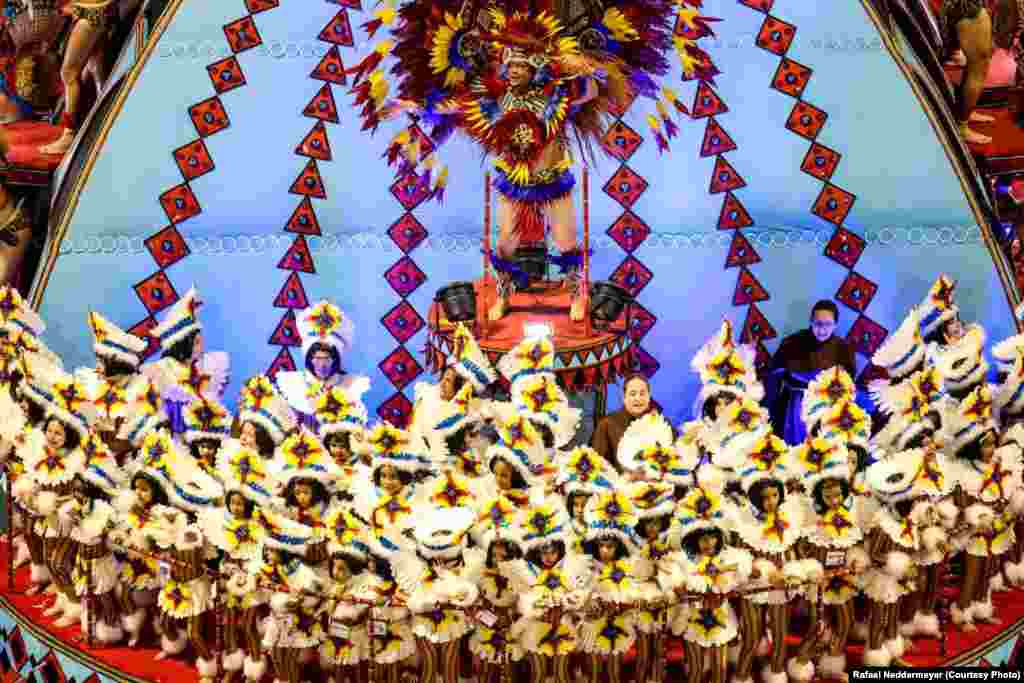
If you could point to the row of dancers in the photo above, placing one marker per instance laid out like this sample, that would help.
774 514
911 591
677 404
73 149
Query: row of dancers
295 539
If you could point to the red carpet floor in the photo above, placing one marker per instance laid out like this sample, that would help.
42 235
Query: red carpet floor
140 662
25 138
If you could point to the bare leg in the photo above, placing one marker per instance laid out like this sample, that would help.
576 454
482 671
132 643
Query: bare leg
508 240
751 632
561 215
779 627
81 44
975 36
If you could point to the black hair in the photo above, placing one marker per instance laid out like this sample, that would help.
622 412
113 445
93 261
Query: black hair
382 568
514 551
355 565
691 540
863 457
36 413
342 438
518 482
72 439
460 381
826 305
403 476
250 505
181 350
90 490
904 507
456 443
709 410
159 493
320 347
264 442
972 451
546 434
938 335
918 440
733 489
115 367
533 555
818 493
680 491
663 521
320 494
757 489
286 556
194 446
591 547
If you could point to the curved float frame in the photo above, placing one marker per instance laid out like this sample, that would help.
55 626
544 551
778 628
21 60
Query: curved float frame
61 223
956 153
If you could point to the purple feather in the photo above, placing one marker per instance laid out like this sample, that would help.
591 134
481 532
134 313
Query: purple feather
643 84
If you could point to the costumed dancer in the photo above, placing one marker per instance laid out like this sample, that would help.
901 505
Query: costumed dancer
186 596
238 529
327 335
941 325
495 652
118 354
893 541
90 516
305 476
341 418
1008 404
517 464
608 630
583 473
346 646
768 527
833 537
709 570
55 462
294 628
13 426
440 578
207 426
987 479
963 367
537 397
186 371
727 372
142 511
902 355
551 581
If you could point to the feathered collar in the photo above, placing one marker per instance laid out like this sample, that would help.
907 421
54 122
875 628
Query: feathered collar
614 576
901 530
497 587
771 533
392 510
988 482
835 528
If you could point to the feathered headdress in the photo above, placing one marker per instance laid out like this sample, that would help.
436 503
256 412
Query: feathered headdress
347 533
698 511
938 307
186 485
393 446
442 534
111 341
651 499
246 471
726 368
818 460
144 412
60 394
904 351
324 323
302 456
967 420
963 365
206 419
894 480
15 315
543 523
180 321
829 388
261 404
469 361
648 440
520 444
611 515
847 423
735 431
539 398
587 472
769 458
530 356
339 410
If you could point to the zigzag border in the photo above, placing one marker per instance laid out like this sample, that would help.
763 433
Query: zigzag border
167 246
308 185
833 203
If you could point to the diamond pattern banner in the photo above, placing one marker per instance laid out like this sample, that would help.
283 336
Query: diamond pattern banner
833 204
179 203
314 147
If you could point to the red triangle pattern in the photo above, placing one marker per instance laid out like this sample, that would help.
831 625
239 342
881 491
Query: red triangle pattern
292 295
756 327
309 182
748 290
716 140
298 258
339 31
303 220
331 68
322 106
734 215
282 363
287 331
706 102
725 178
316 145
741 252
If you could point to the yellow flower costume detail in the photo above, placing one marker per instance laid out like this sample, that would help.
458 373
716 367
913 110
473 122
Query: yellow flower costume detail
301 450
451 491
176 599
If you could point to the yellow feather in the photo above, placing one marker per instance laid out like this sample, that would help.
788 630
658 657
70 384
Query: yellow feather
653 122
402 138
412 151
662 111
618 25
669 94
386 14
383 48
379 90
454 77
687 16
454 22
430 162
498 19
442 177
688 63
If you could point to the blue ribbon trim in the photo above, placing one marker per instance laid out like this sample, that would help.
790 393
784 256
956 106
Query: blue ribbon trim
540 193
177 327
927 321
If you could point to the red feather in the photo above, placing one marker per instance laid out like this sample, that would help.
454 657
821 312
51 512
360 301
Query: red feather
371 27
364 67
362 93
